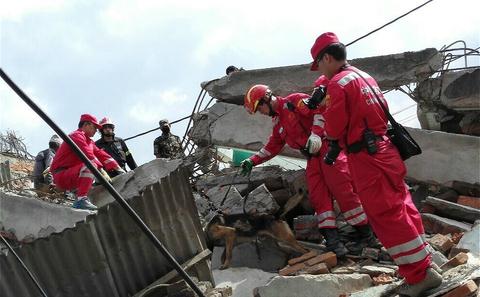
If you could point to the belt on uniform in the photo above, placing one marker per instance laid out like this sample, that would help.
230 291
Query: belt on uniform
58 170
360 145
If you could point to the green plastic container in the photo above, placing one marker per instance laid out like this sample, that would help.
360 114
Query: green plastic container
239 156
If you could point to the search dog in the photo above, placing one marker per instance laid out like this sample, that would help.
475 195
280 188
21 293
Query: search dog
230 230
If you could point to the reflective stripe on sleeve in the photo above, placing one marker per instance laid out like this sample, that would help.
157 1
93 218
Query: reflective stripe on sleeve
87 175
263 153
357 220
324 215
353 212
327 223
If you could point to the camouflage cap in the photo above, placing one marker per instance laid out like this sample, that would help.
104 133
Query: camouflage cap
163 122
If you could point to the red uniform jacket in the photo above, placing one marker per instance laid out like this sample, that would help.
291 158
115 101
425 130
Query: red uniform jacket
66 158
292 126
349 113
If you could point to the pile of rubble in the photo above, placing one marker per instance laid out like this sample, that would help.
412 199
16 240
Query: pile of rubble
450 212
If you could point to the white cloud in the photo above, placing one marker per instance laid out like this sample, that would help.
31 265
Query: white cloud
16 10
16 114
153 105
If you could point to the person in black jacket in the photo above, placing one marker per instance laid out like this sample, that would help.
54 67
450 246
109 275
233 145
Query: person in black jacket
43 161
115 147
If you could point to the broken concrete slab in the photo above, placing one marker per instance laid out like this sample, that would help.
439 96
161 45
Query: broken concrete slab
453 210
464 188
267 258
242 279
373 270
260 202
233 203
390 71
471 241
271 176
437 224
29 218
325 285
435 164
459 90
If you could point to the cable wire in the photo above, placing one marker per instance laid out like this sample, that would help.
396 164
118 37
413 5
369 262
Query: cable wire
394 20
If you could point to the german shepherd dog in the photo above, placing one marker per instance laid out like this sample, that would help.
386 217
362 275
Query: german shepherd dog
230 230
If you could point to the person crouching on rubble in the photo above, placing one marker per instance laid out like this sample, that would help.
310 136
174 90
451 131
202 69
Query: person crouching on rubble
355 117
42 177
115 147
68 170
302 128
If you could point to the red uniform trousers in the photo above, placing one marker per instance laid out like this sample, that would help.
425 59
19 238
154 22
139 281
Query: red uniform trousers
379 181
77 177
324 181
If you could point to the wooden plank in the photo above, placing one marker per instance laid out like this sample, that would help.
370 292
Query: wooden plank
173 273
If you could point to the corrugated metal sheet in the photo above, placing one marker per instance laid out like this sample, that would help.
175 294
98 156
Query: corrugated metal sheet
108 255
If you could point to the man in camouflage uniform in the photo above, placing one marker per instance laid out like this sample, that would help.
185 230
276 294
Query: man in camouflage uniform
167 145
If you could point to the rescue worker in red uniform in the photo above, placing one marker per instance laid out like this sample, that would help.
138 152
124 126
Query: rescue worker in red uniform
340 184
68 170
353 114
302 128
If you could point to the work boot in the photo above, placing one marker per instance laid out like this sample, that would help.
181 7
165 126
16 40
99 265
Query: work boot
431 280
365 238
333 242
84 203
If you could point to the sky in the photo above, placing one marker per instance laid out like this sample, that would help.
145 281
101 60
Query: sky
141 61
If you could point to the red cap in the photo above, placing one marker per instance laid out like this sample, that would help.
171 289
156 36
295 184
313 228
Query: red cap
320 44
89 118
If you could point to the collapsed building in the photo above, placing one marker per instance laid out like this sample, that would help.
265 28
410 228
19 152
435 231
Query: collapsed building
77 253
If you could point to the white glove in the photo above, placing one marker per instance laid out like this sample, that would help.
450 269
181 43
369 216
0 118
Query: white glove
105 175
120 170
314 143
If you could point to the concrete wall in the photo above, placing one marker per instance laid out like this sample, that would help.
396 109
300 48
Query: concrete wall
30 218
445 157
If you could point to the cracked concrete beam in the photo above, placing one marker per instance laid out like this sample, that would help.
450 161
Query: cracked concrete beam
450 102
231 126
460 90
389 70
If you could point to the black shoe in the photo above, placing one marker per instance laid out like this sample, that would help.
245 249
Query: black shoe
367 237
333 242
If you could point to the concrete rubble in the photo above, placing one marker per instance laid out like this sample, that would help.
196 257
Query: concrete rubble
434 164
450 102
454 244
390 71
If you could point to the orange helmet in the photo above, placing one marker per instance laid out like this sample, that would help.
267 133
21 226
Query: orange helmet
254 95
106 121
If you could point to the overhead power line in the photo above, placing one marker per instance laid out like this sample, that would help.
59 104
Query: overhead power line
391 22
